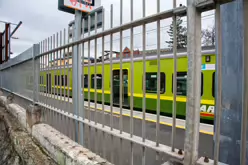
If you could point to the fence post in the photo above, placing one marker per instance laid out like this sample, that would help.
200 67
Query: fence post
76 70
193 83
233 124
1 48
36 72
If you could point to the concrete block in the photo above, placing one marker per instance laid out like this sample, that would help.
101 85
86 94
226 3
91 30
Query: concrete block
16 110
64 150
1 93
19 113
3 101
60 147
33 115
17 142
10 99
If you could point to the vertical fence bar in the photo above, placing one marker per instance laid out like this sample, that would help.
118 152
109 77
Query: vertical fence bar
243 149
50 77
52 80
62 77
40 74
83 25
43 74
144 84
132 74
111 79
76 70
63 74
57 68
54 72
132 80
158 77
193 83
37 73
48 82
111 69
82 84
79 129
58 80
219 84
44 69
173 135
34 69
89 85
121 87
121 55
63 84
89 76
60 71
95 80
103 47
59 83
103 91
67 83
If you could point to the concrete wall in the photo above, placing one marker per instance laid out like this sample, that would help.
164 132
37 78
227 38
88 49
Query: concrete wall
17 146
59 147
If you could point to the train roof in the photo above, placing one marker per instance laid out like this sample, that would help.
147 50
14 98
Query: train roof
164 55
147 58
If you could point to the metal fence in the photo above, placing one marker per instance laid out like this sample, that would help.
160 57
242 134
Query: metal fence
72 96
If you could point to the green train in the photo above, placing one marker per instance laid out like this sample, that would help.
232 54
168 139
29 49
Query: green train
53 79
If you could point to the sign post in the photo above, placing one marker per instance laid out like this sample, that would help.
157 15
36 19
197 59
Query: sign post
77 71
81 8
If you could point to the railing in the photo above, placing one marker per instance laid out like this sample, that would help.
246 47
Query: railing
47 77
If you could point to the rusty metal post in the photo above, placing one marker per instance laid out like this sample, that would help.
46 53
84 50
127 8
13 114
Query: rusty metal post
7 29
1 48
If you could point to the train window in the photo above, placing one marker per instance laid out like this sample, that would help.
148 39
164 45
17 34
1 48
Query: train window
40 79
213 85
182 83
98 81
151 82
55 80
62 80
85 81
58 80
65 80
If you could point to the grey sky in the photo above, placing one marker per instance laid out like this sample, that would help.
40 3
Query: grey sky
41 19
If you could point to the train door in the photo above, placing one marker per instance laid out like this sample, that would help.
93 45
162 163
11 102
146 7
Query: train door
48 82
116 87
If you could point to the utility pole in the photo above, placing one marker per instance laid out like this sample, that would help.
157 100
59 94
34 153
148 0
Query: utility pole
5 42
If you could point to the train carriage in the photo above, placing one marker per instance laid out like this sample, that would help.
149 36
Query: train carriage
56 81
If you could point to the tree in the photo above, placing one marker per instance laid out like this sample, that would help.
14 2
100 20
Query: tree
208 37
181 34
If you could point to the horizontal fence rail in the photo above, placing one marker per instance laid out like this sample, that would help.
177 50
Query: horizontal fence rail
92 97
